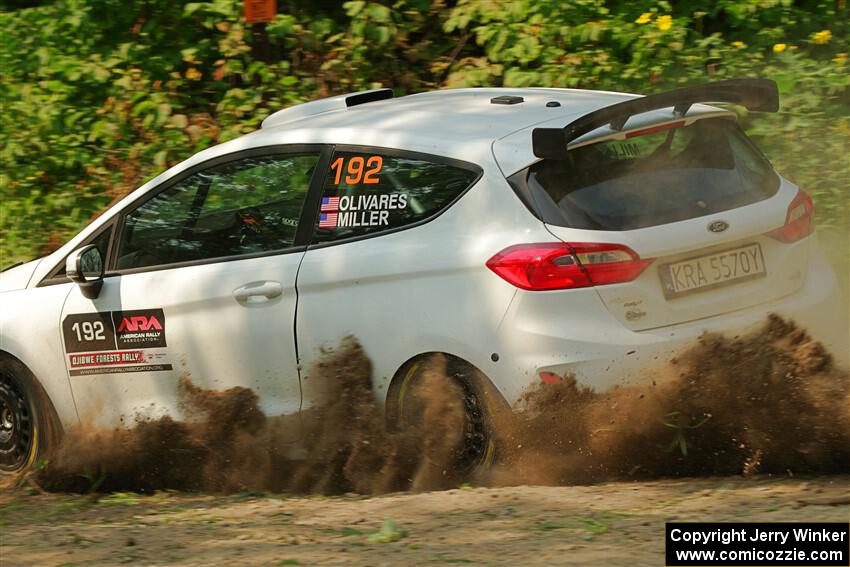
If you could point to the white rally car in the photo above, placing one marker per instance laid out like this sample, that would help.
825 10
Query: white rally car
525 233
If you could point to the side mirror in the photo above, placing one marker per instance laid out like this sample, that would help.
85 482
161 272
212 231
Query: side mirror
84 267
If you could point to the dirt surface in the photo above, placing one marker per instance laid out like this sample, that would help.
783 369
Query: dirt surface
607 524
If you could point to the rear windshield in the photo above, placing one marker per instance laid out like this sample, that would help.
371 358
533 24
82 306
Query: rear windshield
654 178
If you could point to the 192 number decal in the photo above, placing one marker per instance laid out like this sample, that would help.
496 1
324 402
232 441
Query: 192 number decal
89 331
358 170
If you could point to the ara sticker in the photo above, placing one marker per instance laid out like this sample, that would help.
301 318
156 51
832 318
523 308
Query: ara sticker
115 342
139 329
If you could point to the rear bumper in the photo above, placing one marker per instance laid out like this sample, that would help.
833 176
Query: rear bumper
590 343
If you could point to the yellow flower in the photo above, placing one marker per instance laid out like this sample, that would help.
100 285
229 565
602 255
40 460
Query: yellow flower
779 47
644 18
739 44
193 74
822 37
840 59
664 23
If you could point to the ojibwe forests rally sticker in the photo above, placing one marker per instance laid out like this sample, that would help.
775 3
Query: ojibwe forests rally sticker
114 342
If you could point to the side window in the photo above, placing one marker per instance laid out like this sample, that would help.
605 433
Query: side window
366 193
242 207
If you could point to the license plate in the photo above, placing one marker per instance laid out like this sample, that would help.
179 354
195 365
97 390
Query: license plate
712 270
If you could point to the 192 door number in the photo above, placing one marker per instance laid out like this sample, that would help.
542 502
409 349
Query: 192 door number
89 331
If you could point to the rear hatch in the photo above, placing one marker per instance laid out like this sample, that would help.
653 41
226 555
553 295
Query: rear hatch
723 230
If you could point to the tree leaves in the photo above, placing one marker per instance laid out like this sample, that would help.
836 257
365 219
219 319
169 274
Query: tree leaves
98 95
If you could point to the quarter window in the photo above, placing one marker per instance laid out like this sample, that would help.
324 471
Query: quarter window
242 207
365 193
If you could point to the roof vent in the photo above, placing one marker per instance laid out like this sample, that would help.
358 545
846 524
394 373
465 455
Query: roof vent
323 105
506 99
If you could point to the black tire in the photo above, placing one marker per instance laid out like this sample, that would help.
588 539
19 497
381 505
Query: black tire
477 450
28 422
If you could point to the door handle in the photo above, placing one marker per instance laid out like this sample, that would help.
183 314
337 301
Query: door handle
258 291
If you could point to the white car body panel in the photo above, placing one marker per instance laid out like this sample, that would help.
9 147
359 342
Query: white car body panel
17 277
595 347
426 286
786 263
212 338
418 290
30 331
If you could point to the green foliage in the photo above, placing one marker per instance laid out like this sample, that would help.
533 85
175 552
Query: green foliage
99 95
389 533
121 499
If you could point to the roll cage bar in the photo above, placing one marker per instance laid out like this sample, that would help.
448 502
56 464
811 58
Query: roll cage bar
755 94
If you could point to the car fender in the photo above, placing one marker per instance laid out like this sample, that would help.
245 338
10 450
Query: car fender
30 332
17 277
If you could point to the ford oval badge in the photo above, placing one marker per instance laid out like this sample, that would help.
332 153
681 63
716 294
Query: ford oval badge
718 226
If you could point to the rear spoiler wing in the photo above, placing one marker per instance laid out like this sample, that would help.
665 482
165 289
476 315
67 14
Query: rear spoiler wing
755 94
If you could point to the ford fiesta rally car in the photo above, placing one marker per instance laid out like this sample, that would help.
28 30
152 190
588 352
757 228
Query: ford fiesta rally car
524 233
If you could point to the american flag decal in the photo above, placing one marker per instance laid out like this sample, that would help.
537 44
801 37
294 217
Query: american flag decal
328 220
329 204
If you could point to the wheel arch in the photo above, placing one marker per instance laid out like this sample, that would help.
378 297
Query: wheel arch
458 366
36 382
44 391
48 427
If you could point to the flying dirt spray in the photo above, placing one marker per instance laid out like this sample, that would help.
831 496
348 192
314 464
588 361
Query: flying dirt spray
770 402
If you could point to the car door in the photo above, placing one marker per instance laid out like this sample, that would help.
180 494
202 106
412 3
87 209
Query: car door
200 285
375 269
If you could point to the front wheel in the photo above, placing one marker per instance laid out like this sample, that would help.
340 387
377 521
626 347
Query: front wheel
27 420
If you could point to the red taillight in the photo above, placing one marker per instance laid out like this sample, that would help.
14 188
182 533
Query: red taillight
799 221
549 377
561 265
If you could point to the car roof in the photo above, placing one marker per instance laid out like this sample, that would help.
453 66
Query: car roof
452 117
458 123
437 112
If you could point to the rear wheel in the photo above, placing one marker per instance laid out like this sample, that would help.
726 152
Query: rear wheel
445 400
27 421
